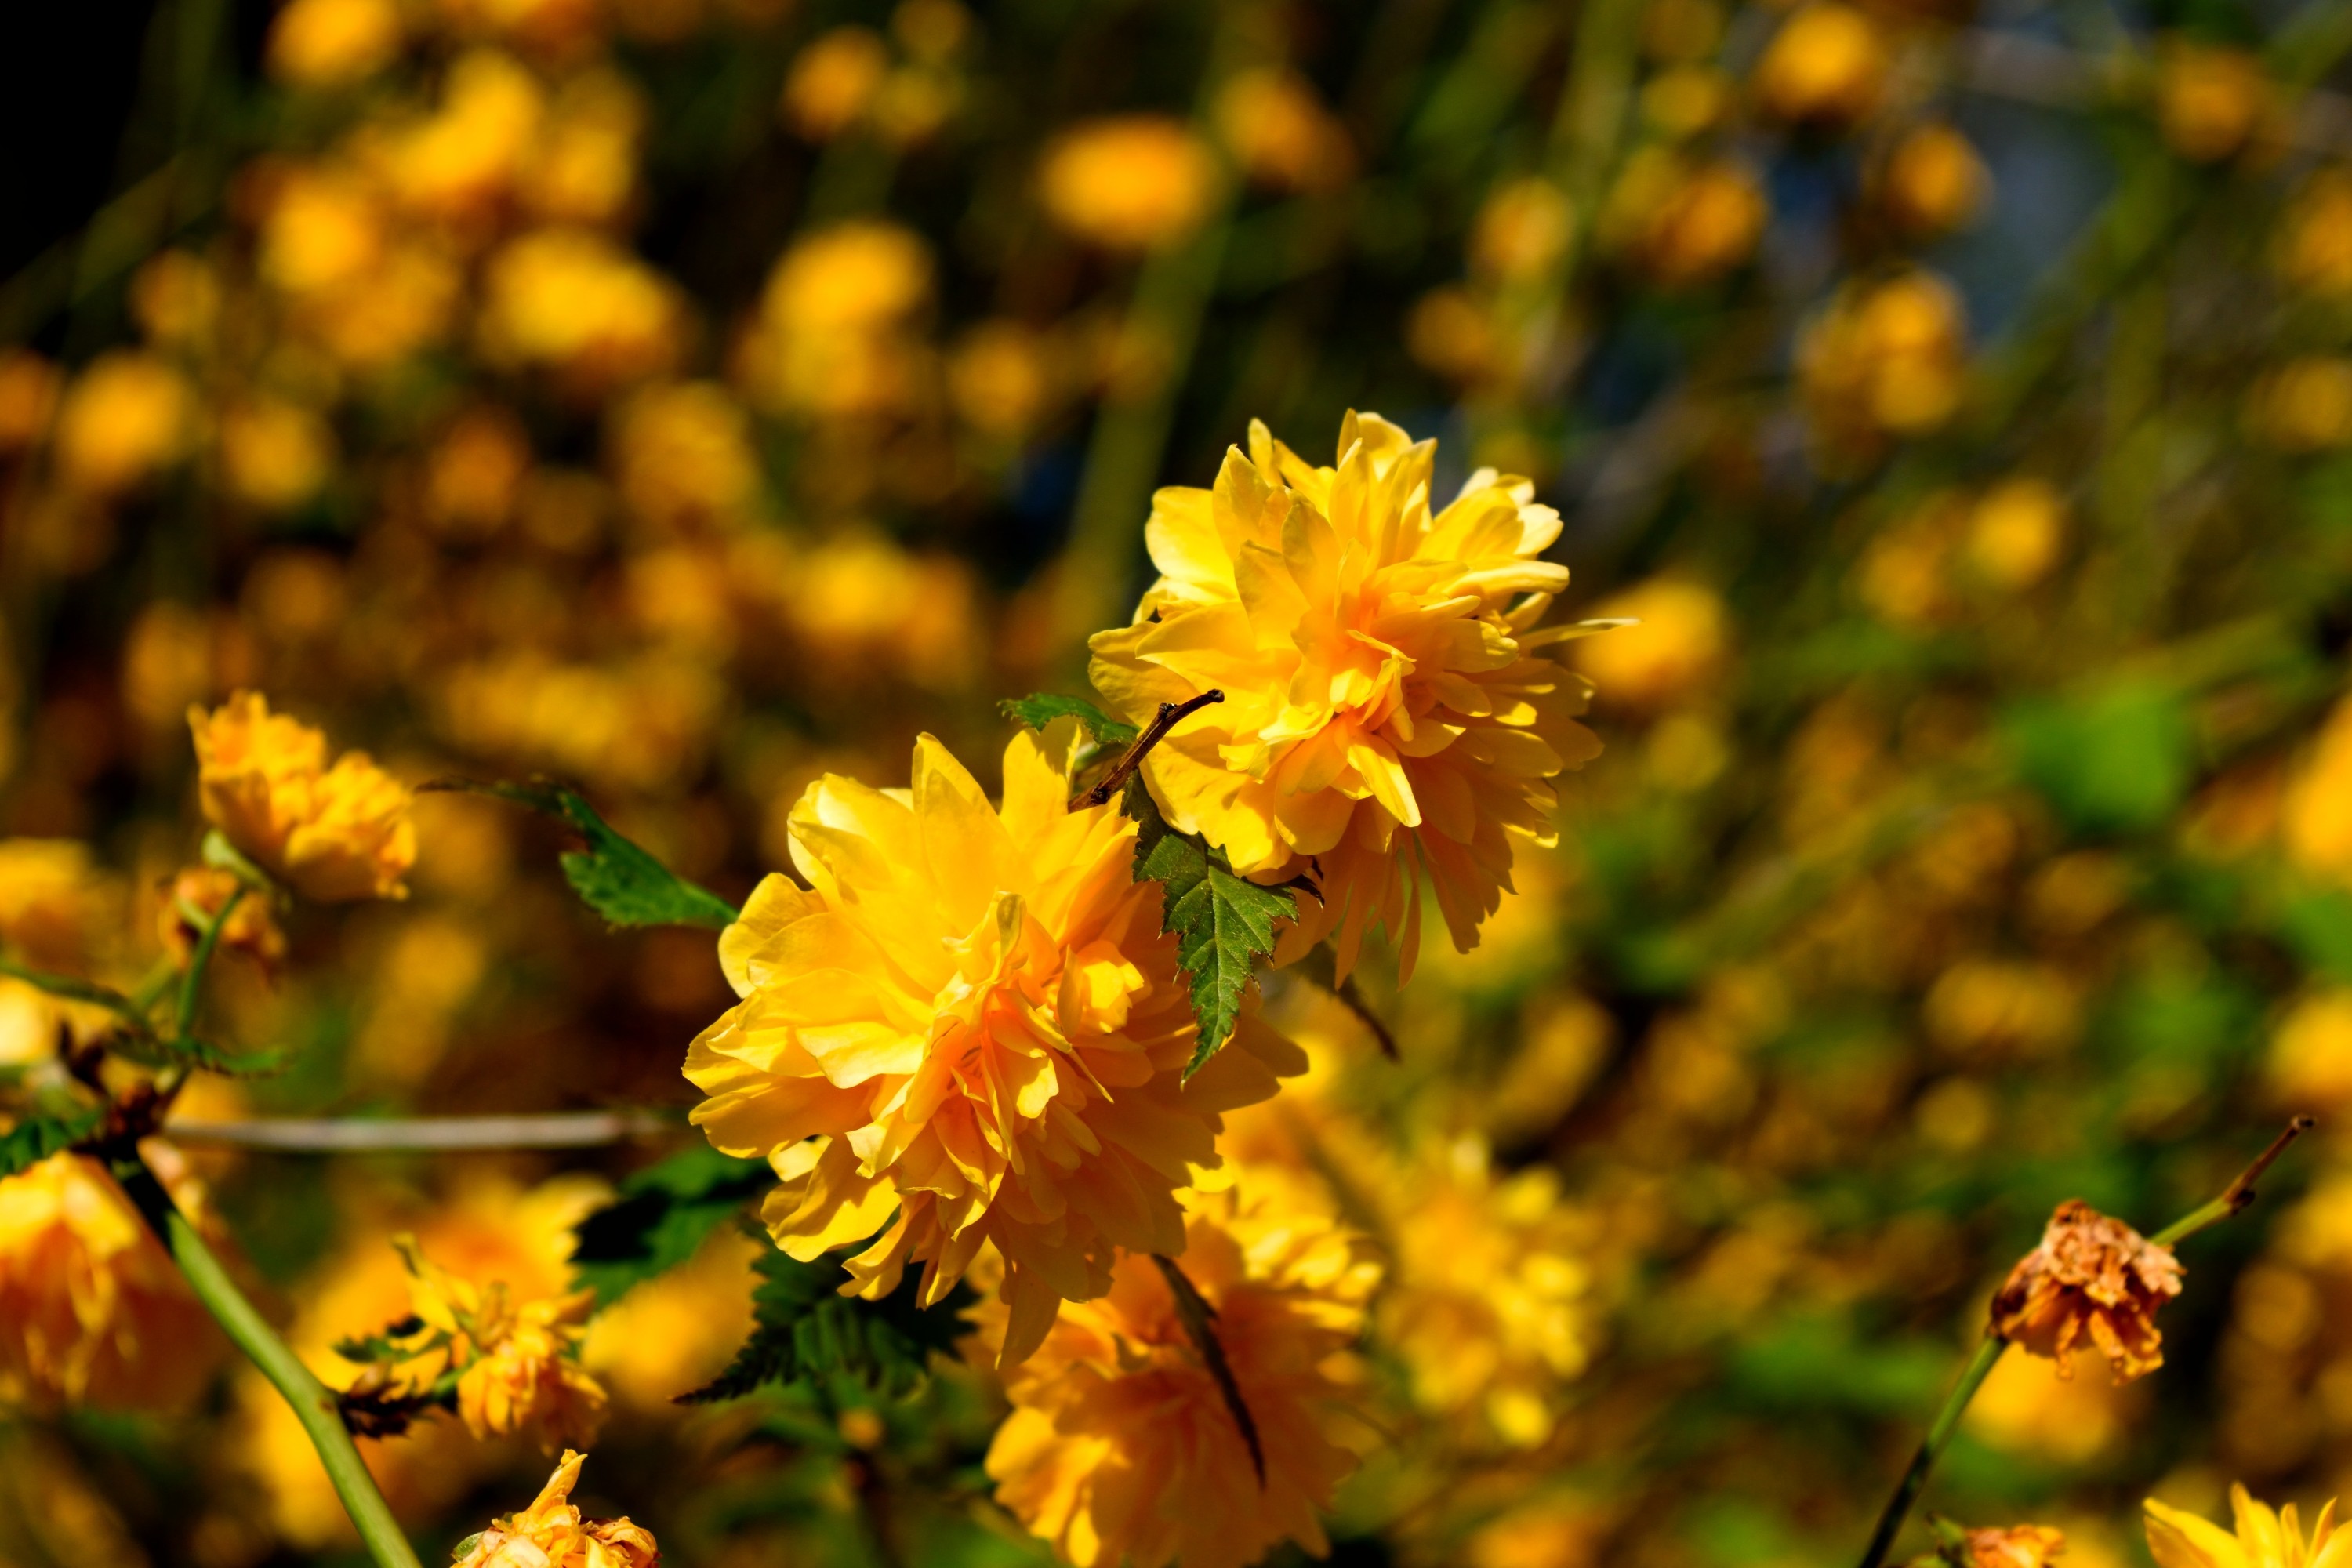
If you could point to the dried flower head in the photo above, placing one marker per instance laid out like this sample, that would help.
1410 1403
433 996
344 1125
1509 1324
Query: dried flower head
551 1533
2265 1538
970 1019
1389 721
330 834
2091 1274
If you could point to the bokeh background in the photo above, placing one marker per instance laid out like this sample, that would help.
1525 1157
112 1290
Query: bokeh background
687 397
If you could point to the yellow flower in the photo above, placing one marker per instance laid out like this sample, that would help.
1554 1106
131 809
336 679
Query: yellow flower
92 1311
677 1332
125 417
2093 1277
834 81
2209 99
1281 134
2315 822
319 44
1684 221
2314 246
974 1018
1825 67
574 303
458 161
1932 181
2019 1546
50 901
682 455
275 454
1386 720
2305 404
1121 1447
2015 532
2311 1053
517 1364
1485 1305
551 1533
830 339
1521 231
330 834
206 890
1132 182
1883 358
1673 651
2265 1538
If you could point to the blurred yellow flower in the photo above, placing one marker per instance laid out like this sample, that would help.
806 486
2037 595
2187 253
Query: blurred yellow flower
204 890
1280 133
1932 181
2315 244
1826 66
2316 821
30 389
2026 1409
1132 183
1522 231
322 228
1451 333
274 453
972 1019
574 303
1684 221
551 1533
1991 1006
2209 98
1003 378
2305 404
1674 649
330 834
583 167
864 604
1883 358
177 297
2015 532
52 902
677 1332
2310 1064
831 337
2265 1538
1386 720
834 81
326 43
125 417
456 163
1486 1303
93 1309
1120 1446
681 454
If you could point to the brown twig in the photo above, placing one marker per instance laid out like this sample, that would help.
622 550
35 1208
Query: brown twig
1200 1319
2240 1192
1171 714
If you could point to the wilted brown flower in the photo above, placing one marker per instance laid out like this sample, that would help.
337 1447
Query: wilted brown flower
2091 1274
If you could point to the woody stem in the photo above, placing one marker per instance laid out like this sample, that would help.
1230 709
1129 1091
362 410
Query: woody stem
1171 714
1931 1449
2238 1194
314 1407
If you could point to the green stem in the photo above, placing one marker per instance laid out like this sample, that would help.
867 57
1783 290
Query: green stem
312 1403
1931 1447
208 942
2238 1194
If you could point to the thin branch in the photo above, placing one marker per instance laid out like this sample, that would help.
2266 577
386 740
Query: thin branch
1199 1321
425 1135
2238 1193
1171 714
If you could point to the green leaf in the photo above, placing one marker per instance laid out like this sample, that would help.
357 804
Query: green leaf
2118 760
1222 924
75 990
1041 709
663 1215
36 1138
806 1329
613 876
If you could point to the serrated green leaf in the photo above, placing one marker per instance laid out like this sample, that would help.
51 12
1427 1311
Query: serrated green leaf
613 876
1042 708
36 1138
1223 925
662 1215
805 1327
